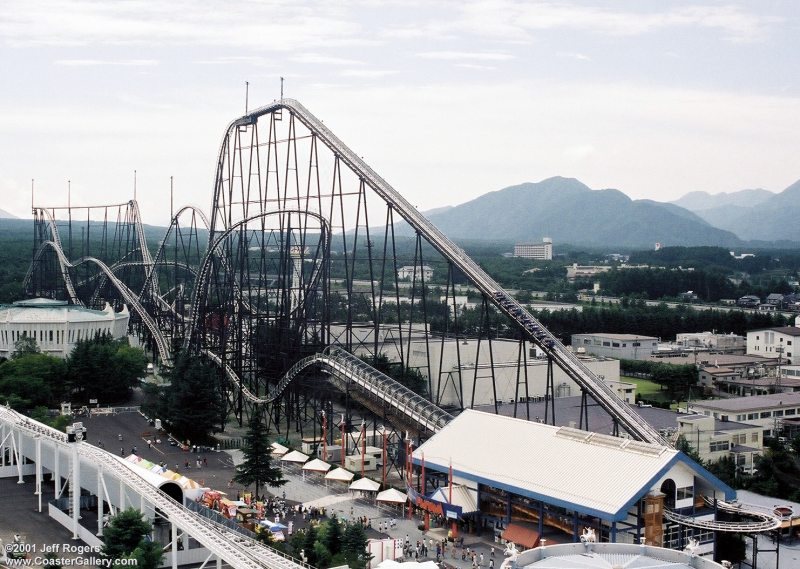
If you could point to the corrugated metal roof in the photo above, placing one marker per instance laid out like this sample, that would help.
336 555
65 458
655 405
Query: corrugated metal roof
592 473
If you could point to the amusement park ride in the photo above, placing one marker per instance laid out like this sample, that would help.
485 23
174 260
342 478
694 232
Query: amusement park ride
291 287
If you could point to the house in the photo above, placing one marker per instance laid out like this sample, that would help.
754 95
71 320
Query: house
777 342
748 301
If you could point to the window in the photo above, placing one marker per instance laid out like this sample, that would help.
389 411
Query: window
719 446
740 417
766 414
636 344
791 411
788 342
685 493
615 344
778 413
606 343
751 416
753 437
740 439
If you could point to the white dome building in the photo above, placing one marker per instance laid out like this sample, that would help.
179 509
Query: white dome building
56 325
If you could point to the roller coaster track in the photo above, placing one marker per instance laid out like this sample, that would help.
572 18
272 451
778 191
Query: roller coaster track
531 327
762 521
127 294
239 552
56 239
346 370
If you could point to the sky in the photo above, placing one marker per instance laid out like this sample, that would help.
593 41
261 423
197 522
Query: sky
446 100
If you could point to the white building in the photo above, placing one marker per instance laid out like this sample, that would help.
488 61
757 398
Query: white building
714 439
766 411
540 251
618 346
56 325
710 340
415 273
569 478
774 343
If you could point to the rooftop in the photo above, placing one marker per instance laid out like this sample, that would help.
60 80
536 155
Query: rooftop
788 330
754 402
619 336
566 467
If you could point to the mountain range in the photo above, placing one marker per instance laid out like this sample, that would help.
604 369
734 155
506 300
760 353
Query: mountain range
750 214
568 211
5 215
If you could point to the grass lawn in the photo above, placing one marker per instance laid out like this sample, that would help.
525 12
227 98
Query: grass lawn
646 389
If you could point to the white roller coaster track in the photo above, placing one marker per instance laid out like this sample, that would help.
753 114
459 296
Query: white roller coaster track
535 331
232 547
761 522
347 368
56 238
127 294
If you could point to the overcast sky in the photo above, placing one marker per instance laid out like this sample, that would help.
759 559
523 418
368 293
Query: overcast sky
446 100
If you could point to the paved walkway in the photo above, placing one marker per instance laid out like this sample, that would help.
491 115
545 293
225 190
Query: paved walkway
312 491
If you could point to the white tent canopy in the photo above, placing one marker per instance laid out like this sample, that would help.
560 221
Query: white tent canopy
317 465
392 495
278 449
366 485
340 474
392 564
294 456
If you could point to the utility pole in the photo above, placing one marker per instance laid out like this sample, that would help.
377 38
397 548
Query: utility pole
281 88
246 95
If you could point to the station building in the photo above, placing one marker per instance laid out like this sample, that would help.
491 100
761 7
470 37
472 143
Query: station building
56 325
528 478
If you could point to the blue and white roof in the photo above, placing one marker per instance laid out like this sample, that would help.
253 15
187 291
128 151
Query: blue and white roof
588 472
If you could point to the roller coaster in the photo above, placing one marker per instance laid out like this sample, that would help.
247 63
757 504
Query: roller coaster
297 268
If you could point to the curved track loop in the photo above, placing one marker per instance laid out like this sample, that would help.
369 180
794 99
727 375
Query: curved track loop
151 276
51 223
348 369
237 551
201 283
128 295
531 327
762 521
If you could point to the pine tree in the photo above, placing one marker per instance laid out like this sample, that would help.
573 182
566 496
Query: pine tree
309 545
194 404
333 536
257 467
354 546
124 533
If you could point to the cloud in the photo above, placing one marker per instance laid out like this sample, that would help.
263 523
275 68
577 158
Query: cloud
465 55
509 20
97 62
578 56
368 73
476 66
279 25
316 58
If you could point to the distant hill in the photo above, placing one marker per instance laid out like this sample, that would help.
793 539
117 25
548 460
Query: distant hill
774 219
571 212
5 215
699 201
721 209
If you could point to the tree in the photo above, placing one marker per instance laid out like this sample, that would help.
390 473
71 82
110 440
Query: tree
32 380
25 346
683 445
105 369
354 546
125 533
257 467
148 554
333 536
195 406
